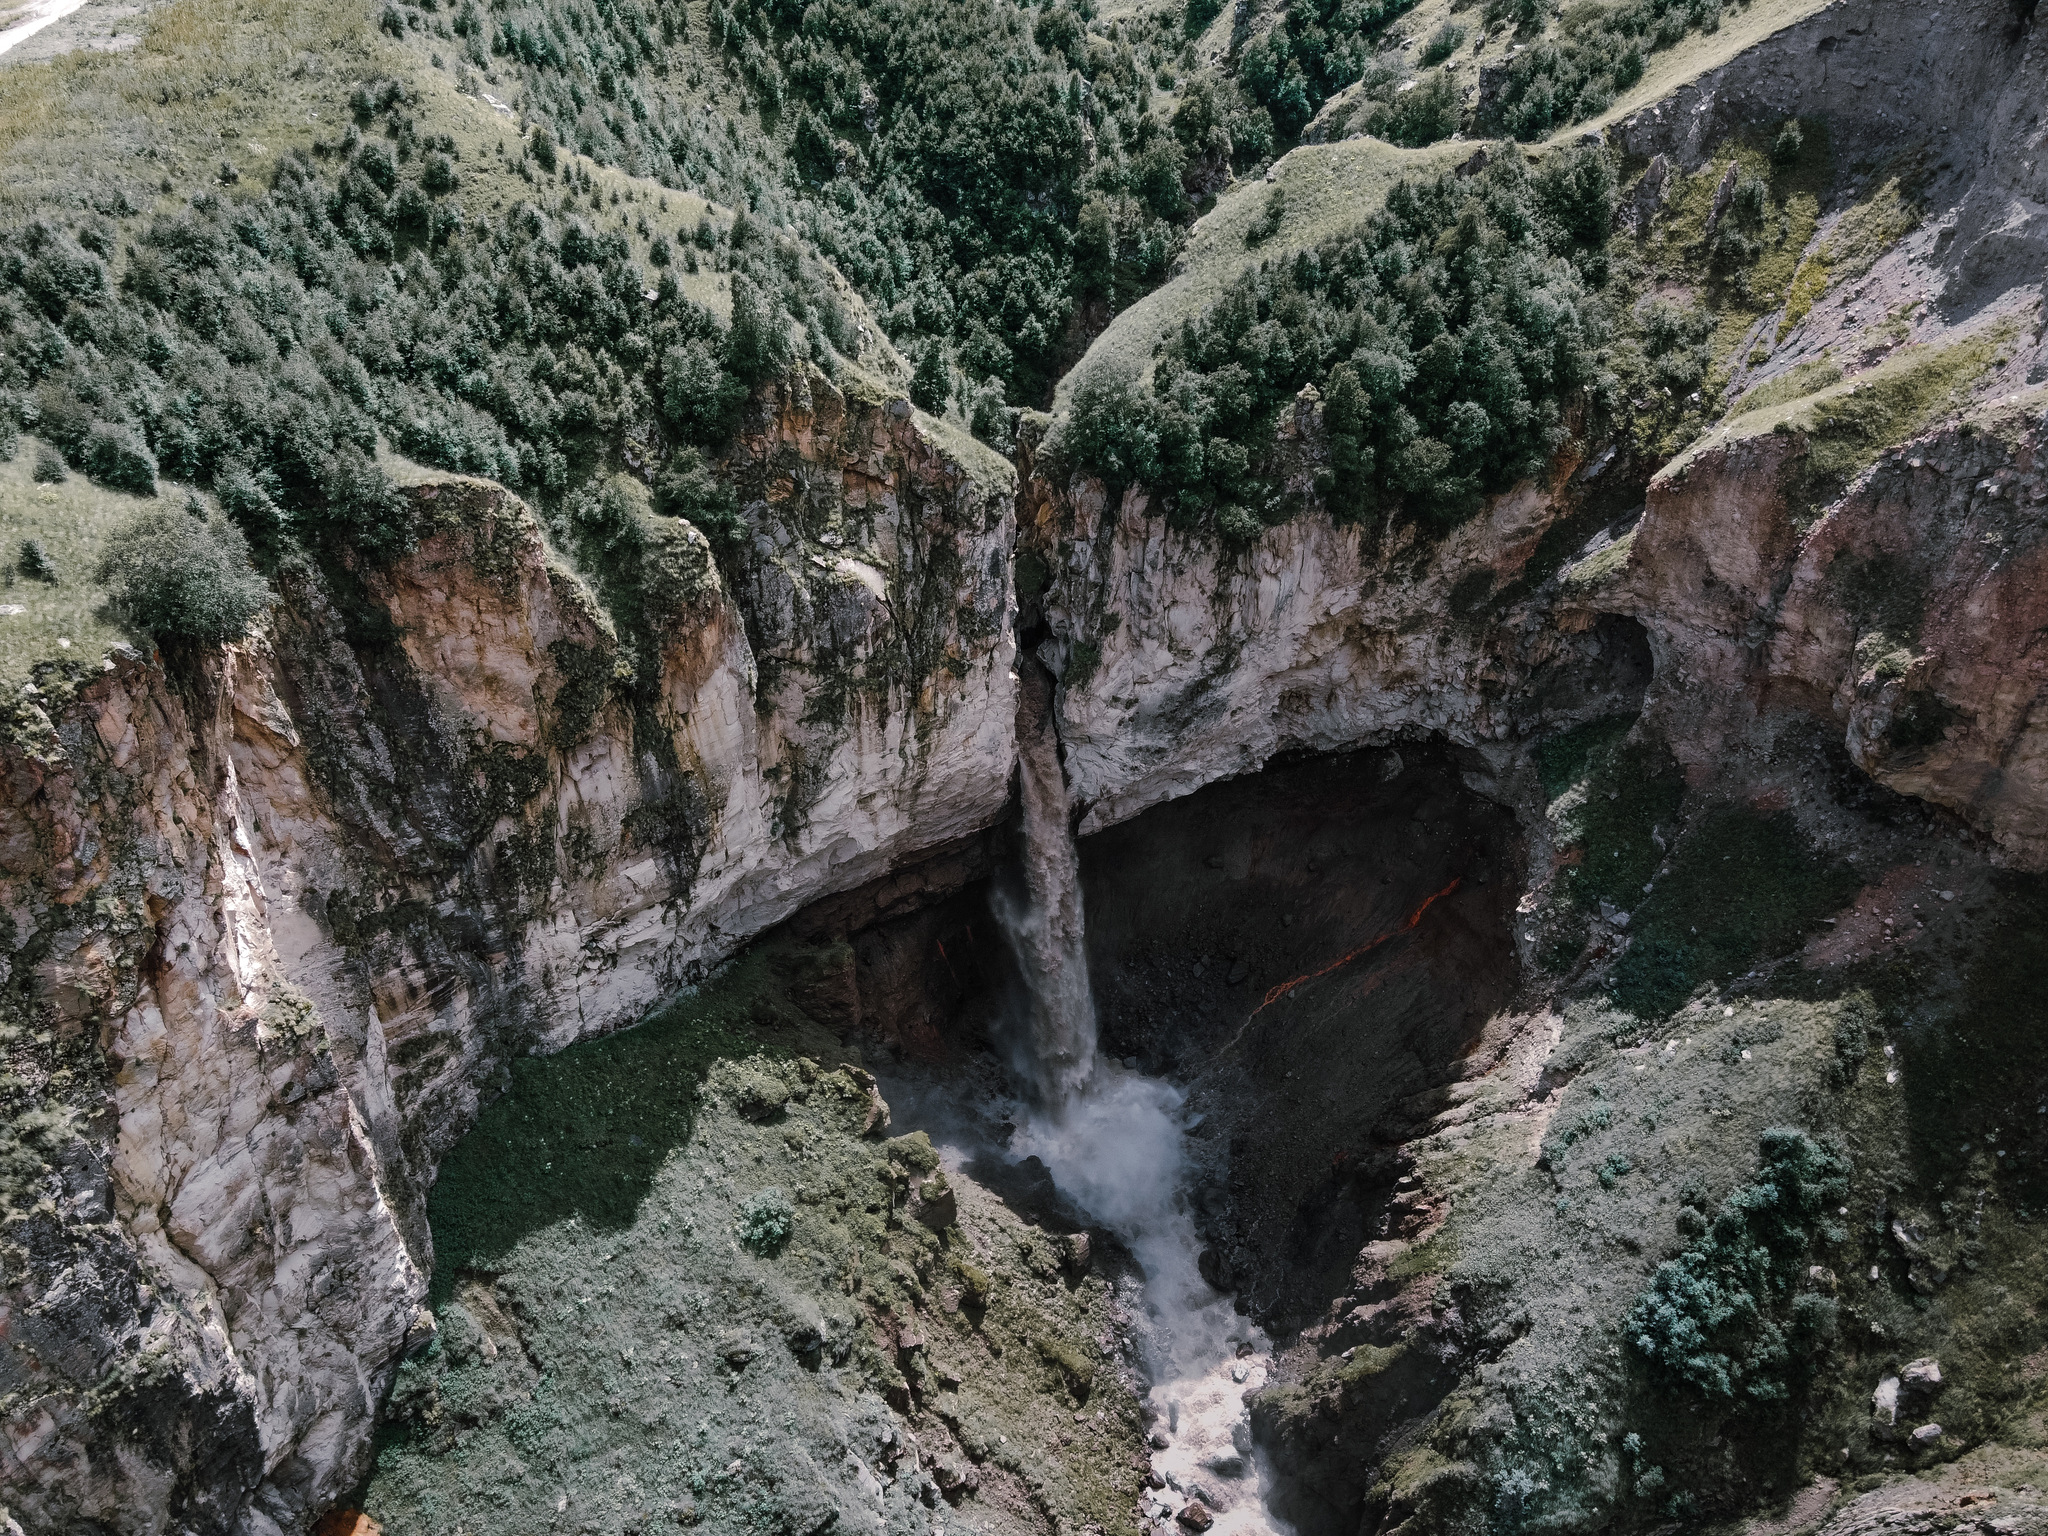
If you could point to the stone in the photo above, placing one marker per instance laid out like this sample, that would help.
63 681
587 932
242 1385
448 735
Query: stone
1160 1440
1884 1402
1927 1434
1920 1378
1080 1252
1195 1516
934 1203
1238 972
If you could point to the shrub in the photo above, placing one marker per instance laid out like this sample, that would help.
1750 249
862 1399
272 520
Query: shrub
35 563
1785 149
766 1222
116 457
49 468
1725 1317
181 579
1445 41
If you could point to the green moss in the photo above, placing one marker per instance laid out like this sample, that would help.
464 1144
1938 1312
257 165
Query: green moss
1809 282
1976 1073
588 673
1562 760
1067 1357
1609 821
1599 568
581 1135
1878 222
1746 266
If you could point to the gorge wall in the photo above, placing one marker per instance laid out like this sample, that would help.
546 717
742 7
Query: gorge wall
281 915
285 913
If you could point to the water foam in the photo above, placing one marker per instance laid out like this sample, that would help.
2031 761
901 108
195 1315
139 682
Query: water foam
1115 1144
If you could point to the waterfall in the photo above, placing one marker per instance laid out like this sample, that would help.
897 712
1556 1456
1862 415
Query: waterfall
1046 929
1115 1143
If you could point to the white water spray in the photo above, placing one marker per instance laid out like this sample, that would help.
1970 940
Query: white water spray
1115 1144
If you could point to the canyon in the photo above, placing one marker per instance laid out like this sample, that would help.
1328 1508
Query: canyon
294 921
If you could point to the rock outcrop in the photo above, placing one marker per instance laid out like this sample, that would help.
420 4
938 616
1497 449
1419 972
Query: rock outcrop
283 913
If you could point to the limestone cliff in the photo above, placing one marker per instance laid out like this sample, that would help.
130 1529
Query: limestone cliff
283 913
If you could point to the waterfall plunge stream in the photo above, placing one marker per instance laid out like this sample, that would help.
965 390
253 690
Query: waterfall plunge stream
1114 1142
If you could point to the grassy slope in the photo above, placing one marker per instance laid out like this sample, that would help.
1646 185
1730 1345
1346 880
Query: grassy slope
72 521
242 83
651 1371
1698 54
1330 187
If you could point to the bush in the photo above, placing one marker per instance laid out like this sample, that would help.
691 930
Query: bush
1445 41
35 563
116 457
1726 1317
50 468
1786 148
181 579
766 1222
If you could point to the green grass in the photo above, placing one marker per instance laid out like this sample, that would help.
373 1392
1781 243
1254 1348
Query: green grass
1793 384
1742 888
1330 188
1849 424
581 1135
1561 760
1608 816
72 522
1978 1073
1678 248
1602 565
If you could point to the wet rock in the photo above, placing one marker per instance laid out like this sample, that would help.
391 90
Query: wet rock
1226 1464
1195 1516
1160 1440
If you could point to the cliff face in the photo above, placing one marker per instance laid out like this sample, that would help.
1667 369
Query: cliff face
1182 663
283 914
1906 618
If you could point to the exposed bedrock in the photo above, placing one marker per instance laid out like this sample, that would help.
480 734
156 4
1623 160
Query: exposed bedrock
282 914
